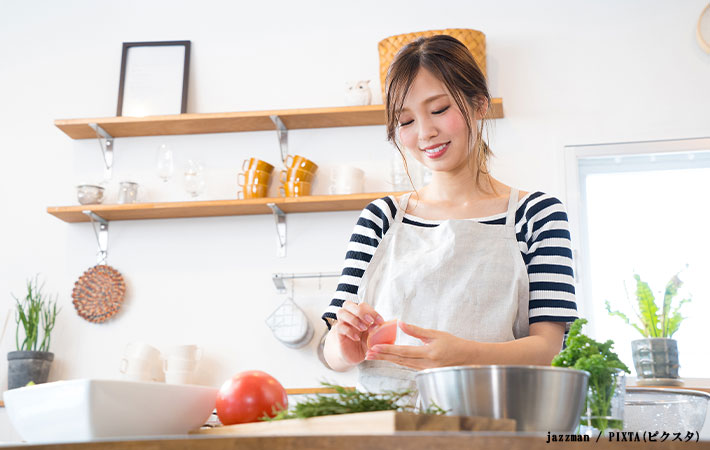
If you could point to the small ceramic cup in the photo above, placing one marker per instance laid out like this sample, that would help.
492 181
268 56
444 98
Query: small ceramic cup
253 191
295 175
291 189
256 164
253 177
299 162
179 377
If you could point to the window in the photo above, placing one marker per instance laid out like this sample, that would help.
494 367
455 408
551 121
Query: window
642 208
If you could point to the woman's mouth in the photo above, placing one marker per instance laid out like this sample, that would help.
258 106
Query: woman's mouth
436 152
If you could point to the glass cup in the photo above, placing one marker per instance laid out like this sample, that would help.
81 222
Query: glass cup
194 178
128 192
604 406
165 164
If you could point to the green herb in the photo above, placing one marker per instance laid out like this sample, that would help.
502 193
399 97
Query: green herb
346 401
35 312
654 322
584 353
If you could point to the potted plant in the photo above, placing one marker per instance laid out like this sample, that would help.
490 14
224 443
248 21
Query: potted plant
36 315
655 356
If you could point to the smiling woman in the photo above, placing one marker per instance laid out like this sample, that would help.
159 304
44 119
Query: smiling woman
482 274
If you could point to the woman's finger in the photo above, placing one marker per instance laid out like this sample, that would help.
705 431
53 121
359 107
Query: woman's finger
406 351
348 331
346 315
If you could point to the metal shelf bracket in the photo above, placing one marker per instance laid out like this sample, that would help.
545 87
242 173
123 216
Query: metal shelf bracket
280 218
106 145
101 235
282 134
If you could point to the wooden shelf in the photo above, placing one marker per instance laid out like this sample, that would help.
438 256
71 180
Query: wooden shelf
293 119
215 208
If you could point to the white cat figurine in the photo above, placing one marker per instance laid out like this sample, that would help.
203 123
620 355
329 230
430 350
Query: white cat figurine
358 93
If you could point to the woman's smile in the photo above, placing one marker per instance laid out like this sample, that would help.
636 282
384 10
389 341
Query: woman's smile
436 151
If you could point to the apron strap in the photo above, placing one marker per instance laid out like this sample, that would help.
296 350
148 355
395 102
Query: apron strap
512 207
403 201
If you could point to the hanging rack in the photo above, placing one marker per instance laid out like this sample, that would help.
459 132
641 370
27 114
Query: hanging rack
106 145
101 235
278 278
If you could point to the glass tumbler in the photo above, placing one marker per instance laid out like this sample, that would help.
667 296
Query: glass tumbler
604 406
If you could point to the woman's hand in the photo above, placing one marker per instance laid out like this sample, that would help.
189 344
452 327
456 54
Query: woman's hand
440 349
355 320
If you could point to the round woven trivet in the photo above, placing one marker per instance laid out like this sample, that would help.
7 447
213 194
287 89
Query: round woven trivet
98 293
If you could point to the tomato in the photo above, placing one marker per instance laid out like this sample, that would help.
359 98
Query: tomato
247 396
383 334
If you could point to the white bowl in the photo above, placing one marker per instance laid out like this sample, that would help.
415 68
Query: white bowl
86 409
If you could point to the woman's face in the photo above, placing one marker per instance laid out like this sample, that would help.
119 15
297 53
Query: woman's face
431 126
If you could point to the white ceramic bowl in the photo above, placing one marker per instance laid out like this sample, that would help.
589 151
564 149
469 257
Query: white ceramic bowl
86 409
647 409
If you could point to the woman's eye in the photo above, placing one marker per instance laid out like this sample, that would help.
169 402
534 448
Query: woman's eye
440 110
404 124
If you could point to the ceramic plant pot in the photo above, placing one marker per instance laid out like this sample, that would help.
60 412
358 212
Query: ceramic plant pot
655 357
26 366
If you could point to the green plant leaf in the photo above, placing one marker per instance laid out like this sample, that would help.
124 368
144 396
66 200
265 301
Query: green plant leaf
647 307
623 317
671 290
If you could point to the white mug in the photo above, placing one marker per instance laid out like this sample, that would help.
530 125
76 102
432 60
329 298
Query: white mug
142 351
179 377
189 351
346 179
136 369
180 365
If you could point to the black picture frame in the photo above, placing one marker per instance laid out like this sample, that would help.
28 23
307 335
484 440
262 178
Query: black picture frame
155 85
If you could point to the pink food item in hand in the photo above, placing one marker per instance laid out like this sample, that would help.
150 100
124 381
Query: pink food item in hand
383 334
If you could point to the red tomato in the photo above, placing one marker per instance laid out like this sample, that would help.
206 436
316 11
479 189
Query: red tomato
384 334
247 396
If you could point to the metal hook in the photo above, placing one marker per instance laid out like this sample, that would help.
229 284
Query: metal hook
101 235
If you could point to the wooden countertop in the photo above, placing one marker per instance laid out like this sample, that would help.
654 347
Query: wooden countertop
403 440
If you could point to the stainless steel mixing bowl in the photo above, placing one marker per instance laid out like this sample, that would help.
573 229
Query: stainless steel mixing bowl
665 409
539 398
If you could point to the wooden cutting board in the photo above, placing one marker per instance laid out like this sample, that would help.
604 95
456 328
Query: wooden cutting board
367 423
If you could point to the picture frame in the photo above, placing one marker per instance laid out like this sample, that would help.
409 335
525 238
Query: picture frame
154 78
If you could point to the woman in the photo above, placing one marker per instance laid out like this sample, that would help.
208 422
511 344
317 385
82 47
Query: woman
475 271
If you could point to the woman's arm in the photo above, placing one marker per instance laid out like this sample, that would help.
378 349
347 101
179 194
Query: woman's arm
443 349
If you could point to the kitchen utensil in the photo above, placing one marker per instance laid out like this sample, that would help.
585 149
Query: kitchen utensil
365 423
186 351
194 178
256 164
165 164
539 398
649 409
295 175
98 293
295 189
253 191
89 194
346 179
321 348
300 162
136 369
253 177
86 409
388 47
141 350
128 192
290 325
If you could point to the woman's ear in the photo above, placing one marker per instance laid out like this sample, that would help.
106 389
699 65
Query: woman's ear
482 107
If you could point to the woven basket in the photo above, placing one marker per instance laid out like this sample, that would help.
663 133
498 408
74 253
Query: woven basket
474 40
98 293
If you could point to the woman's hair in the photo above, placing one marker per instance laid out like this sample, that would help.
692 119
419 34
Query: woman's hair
452 63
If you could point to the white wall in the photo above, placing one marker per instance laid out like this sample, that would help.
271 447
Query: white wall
568 73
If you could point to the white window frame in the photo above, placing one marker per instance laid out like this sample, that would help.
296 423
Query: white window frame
574 203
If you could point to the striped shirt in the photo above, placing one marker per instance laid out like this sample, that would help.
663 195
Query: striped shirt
542 232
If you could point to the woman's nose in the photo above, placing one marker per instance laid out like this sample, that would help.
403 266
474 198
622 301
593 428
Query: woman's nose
427 131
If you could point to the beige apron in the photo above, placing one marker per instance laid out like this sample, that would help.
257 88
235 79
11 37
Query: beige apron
462 277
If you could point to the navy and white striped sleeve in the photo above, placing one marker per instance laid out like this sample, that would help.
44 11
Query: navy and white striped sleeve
548 257
371 226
